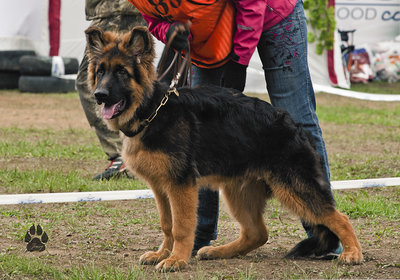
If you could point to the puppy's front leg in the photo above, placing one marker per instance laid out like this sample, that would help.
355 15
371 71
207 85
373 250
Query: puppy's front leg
164 211
183 201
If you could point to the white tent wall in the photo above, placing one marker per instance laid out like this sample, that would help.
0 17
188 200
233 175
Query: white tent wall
73 25
23 25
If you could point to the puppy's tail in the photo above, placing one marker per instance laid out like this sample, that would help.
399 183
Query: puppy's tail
320 244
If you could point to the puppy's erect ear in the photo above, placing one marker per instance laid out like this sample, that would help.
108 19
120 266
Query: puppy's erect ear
139 40
95 39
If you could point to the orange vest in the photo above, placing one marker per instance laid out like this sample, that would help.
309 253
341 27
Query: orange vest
212 26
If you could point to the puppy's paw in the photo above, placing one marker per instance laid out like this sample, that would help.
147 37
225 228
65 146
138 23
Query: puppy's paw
171 264
351 257
208 253
153 258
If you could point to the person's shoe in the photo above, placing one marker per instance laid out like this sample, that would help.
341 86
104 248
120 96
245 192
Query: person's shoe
114 170
331 255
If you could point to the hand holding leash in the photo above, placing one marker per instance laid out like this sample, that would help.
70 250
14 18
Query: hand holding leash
181 32
177 38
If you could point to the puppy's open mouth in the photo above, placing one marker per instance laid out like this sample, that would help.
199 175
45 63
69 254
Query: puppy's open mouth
111 111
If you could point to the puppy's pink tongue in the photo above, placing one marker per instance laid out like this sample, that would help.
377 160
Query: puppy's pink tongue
107 112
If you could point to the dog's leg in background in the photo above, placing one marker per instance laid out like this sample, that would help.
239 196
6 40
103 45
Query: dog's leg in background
165 249
183 201
246 202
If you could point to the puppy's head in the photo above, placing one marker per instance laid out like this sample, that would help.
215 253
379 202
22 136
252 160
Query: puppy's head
120 72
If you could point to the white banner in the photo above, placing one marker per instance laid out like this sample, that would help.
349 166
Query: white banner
374 20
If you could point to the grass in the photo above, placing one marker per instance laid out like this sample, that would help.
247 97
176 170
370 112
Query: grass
80 219
73 144
98 230
16 267
21 267
377 87
352 114
354 167
44 180
359 203
371 129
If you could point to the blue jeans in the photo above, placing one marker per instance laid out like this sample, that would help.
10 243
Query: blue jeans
283 52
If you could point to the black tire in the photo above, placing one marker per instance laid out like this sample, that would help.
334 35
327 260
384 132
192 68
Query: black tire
9 60
37 84
9 79
41 65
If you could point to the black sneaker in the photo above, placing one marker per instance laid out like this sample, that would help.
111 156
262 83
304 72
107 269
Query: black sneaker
114 170
331 255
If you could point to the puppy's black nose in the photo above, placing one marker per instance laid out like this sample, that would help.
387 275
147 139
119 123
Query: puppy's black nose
101 94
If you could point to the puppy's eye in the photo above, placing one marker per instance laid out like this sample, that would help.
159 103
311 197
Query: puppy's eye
100 72
122 72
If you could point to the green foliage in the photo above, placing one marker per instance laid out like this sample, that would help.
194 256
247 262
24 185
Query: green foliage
322 22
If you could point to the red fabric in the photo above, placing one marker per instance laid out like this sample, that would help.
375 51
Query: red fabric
54 26
330 55
212 26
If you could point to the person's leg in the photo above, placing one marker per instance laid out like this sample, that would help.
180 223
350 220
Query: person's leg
283 51
203 76
207 218
208 208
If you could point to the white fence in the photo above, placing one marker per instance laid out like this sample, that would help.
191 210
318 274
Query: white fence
140 194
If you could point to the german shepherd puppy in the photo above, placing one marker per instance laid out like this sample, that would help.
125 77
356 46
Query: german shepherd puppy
215 137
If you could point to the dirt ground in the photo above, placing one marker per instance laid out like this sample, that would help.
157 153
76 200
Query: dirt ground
70 247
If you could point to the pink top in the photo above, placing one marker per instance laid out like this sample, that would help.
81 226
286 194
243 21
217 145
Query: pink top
252 18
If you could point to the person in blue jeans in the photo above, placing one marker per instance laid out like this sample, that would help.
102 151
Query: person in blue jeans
283 53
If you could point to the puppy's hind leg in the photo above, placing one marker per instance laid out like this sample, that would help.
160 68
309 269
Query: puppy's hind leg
246 202
312 200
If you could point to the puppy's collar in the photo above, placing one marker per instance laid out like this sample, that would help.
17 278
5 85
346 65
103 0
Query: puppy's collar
143 124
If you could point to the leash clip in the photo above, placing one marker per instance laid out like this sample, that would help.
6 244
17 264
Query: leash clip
174 91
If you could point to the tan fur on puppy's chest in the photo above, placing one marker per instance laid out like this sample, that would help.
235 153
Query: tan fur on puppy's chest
152 166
